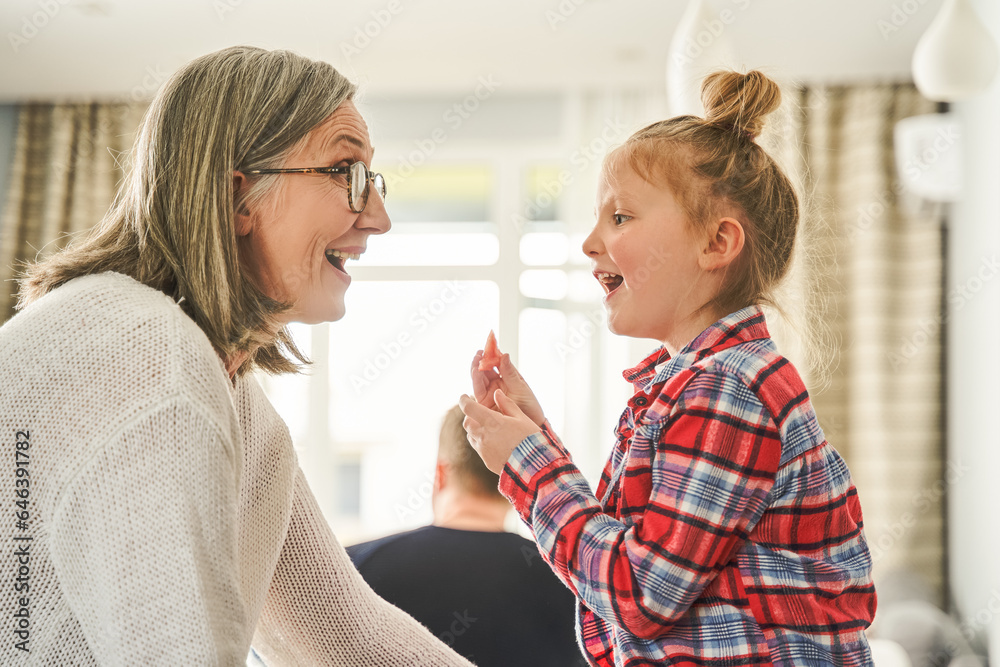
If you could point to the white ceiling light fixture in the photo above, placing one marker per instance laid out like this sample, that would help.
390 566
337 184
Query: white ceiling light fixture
957 57
699 46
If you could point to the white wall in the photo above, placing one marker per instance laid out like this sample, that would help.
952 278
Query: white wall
974 366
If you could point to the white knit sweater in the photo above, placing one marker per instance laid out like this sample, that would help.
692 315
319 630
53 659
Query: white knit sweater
169 521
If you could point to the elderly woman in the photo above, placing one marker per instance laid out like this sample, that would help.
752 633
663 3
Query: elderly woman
161 516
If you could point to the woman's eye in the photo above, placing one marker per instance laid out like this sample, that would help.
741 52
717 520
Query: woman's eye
619 219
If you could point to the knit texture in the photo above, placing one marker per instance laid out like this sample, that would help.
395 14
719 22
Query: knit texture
166 518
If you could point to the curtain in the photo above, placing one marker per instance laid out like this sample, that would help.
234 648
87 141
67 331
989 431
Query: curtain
64 174
868 279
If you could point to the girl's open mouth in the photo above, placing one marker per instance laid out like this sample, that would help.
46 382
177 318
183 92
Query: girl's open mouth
609 281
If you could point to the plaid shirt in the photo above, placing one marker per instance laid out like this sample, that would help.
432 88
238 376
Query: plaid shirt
725 530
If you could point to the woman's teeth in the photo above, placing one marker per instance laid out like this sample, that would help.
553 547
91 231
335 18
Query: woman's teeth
338 258
343 255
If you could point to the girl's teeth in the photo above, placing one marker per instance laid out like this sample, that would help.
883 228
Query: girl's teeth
344 255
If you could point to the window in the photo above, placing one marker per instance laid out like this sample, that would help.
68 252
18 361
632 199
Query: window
479 242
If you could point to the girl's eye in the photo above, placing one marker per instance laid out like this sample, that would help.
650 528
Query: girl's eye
620 219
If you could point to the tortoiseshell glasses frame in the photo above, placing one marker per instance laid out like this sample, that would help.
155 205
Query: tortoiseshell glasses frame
357 174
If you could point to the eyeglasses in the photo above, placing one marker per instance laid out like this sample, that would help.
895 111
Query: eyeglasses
358 178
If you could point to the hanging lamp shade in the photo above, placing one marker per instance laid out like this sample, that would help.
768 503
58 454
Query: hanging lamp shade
699 46
957 56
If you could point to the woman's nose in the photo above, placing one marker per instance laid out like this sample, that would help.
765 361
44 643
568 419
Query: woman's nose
374 219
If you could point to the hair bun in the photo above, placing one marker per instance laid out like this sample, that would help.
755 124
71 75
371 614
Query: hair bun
739 101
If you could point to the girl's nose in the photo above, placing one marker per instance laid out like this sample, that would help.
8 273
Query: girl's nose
592 246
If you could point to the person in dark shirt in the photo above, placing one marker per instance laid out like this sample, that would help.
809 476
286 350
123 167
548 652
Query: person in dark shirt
485 592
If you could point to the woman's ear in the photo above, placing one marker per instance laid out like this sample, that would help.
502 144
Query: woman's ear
725 242
241 215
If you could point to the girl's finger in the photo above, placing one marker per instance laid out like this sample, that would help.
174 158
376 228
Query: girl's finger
489 373
508 366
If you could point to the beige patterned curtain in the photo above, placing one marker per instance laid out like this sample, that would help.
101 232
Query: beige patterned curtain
63 177
876 255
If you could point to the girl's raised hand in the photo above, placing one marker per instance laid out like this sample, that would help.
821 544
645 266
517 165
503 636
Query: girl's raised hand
509 381
495 433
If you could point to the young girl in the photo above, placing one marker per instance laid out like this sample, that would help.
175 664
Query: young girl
725 530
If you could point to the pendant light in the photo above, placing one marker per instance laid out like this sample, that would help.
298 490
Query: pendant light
699 46
957 57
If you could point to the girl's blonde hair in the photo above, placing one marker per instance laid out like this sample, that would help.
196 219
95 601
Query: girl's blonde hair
171 225
714 168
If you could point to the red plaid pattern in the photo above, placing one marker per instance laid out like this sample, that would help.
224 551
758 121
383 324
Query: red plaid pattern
725 530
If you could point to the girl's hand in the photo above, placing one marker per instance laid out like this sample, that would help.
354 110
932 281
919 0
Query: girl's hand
509 381
495 434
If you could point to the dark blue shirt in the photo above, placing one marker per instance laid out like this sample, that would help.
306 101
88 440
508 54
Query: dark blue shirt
490 596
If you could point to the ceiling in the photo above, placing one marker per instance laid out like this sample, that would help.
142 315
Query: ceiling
63 49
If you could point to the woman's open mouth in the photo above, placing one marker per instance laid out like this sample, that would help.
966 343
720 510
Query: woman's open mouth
609 281
338 259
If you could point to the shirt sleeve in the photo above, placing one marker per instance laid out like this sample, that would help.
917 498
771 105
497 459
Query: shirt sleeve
143 542
713 464
319 610
552 439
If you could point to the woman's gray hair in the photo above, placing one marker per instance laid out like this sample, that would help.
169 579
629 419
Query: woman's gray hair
171 225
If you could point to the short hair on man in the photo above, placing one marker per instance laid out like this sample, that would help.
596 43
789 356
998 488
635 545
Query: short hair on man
468 469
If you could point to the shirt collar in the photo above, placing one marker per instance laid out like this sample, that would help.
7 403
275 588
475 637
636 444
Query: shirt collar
739 327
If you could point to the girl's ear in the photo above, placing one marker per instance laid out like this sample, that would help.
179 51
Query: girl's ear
241 215
725 242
